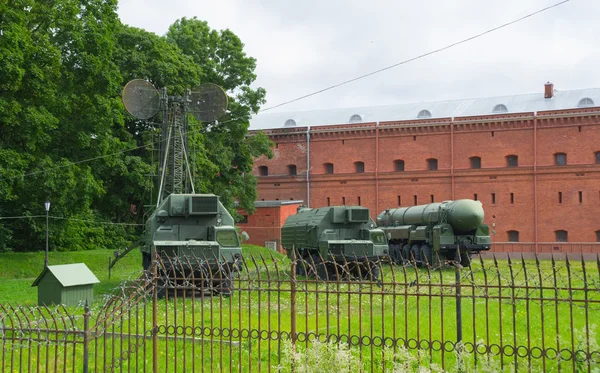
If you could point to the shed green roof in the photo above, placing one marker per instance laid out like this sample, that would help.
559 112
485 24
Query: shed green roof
69 275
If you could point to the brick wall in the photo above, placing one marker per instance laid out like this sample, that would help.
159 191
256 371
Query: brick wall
265 224
453 142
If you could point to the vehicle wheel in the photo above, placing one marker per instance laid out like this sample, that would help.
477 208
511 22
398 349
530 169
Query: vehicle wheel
326 271
371 272
223 287
465 259
427 256
313 266
146 261
416 254
406 254
396 254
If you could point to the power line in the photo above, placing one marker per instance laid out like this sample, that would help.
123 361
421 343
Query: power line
419 56
324 89
104 156
64 218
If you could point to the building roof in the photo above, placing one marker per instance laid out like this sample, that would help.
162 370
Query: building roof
276 203
524 103
69 275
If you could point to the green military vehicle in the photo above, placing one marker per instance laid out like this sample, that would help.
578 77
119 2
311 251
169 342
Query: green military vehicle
435 232
336 241
196 233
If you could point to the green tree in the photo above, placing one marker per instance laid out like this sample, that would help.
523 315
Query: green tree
59 105
65 136
190 54
229 152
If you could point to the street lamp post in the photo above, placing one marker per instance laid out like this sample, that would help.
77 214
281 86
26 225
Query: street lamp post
47 207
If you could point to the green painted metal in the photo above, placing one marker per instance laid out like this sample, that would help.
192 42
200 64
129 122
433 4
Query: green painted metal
446 227
68 284
335 231
191 225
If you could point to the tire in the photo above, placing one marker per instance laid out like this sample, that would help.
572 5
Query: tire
465 259
396 253
371 272
406 254
313 265
427 256
325 271
223 287
416 254
146 261
301 264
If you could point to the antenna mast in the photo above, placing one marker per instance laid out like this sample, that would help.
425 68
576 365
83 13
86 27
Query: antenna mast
206 103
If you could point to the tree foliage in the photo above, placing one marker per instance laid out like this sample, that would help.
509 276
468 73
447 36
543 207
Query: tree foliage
65 136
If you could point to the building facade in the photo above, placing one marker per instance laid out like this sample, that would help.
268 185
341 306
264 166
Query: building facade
535 168
264 226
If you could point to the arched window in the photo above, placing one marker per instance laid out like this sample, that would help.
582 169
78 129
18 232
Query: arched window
290 123
597 236
585 102
399 165
500 108
597 154
359 167
263 171
513 236
512 160
432 164
292 169
355 119
560 159
475 162
328 168
562 236
424 114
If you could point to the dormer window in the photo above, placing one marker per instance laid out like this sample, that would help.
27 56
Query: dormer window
355 119
585 102
500 108
290 123
424 114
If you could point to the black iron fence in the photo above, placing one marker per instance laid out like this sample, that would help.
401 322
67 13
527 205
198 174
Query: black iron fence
277 315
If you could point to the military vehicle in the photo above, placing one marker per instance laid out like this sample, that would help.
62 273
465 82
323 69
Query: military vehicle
336 241
435 232
196 232
193 233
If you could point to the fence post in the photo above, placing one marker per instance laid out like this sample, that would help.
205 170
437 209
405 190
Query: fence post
457 274
293 305
155 317
86 324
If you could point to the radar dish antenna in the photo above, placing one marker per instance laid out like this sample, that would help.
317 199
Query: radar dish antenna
208 102
141 99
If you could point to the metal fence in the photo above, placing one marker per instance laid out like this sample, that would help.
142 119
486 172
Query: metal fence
279 315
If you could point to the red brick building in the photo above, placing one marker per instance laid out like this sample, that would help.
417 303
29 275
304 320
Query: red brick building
264 226
532 160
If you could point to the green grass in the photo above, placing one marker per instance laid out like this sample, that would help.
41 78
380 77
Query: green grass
401 307
19 270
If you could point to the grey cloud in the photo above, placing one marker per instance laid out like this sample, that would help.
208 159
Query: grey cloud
305 46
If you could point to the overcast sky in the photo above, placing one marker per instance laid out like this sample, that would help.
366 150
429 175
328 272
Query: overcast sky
304 46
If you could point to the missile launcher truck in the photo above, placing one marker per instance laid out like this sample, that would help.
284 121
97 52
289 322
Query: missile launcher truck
345 237
436 231
197 232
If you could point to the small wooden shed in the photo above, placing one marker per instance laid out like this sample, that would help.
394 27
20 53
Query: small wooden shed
68 284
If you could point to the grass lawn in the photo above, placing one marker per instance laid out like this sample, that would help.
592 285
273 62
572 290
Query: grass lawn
527 304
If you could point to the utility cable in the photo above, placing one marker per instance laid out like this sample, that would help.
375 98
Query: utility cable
418 57
64 218
327 88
